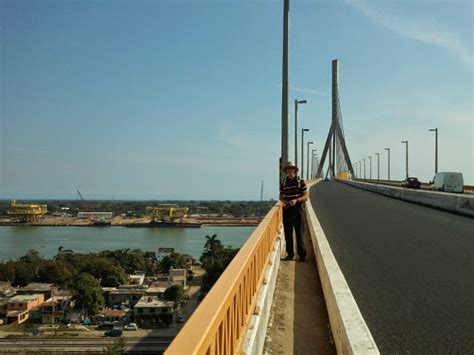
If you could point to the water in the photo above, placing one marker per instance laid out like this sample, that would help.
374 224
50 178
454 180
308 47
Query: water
16 241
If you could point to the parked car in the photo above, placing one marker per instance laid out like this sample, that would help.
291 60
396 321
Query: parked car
411 183
181 319
113 333
448 181
131 326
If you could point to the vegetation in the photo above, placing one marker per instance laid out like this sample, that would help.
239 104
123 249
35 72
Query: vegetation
137 208
214 259
117 348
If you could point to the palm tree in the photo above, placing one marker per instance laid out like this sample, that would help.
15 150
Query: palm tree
212 246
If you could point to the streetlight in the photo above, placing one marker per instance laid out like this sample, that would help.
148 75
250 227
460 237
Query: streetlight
406 161
364 169
370 171
307 161
360 169
388 150
296 128
378 165
302 150
312 163
436 148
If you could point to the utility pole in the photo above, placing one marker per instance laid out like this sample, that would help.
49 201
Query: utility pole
388 150
284 88
364 169
378 165
261 192
302 150
406 160
436 148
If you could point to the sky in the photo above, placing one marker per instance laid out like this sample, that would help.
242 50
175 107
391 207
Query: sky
182 99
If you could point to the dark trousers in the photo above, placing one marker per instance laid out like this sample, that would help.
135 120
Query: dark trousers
293 219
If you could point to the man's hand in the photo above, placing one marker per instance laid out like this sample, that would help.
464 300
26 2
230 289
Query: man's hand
293 202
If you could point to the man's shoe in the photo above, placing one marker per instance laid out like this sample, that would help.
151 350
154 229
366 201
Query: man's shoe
287 258
302 259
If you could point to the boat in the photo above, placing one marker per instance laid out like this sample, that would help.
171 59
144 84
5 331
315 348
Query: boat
101 223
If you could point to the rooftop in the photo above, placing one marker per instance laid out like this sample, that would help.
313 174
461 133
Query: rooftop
153 301
37 286
23 298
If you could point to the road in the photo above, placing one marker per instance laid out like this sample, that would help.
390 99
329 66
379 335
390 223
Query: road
410 268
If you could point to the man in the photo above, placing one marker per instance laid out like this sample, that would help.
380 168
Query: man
293 192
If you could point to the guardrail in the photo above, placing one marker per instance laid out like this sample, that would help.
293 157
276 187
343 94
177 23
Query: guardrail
219 325
424 185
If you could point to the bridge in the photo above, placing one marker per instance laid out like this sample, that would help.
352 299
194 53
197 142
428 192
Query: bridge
389 268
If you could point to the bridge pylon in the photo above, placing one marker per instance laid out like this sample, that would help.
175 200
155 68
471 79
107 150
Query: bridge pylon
335 142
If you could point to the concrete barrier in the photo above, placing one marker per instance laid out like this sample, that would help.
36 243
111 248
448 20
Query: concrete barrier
255 338
350 332
457 203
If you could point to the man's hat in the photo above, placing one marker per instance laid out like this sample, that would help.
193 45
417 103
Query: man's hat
291 164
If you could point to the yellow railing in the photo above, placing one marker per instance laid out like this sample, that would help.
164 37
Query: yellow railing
219 324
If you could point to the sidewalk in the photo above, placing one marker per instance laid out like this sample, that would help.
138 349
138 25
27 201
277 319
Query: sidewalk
299 322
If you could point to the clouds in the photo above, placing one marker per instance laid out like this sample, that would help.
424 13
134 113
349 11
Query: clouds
419 31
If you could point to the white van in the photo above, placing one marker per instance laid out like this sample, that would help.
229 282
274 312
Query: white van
449 182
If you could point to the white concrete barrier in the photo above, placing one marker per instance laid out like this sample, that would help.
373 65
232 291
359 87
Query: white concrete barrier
350 332
458 203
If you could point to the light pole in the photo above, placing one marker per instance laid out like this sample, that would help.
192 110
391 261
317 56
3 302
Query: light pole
296 128
312 163
307 160
302 150
406 161
435 130
360 169
370 171
388 150
378 165
284 89
364 168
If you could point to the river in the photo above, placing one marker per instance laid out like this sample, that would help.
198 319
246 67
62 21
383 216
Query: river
16 241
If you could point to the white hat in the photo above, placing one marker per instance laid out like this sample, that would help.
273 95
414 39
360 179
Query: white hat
291 164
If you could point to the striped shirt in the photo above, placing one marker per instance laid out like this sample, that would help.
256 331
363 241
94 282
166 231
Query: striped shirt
292 188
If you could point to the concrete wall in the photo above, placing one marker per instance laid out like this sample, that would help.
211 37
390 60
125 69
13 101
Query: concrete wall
350 332
255 339
458 203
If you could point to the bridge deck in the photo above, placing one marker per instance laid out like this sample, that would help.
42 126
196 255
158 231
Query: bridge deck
409 267
299 322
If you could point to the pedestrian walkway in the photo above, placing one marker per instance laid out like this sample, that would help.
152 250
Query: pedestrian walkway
299 322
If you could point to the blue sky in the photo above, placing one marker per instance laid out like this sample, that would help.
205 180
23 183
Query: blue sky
182 99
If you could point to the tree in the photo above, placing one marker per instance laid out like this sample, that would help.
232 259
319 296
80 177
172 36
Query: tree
54 271
102 268
87 294
174 293
173 260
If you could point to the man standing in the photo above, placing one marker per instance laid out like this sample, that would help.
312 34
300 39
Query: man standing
293 192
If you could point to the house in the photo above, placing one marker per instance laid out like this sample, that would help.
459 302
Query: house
178 277
128 296
155 291
149 309
137 279
19 306
46 289
56 307
113 316
6 289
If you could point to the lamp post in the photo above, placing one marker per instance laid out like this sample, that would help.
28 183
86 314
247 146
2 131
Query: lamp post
435 130
360 169
406 160
370 171
296 128
388 170
284 88
302 150
364 169
307 160
378 165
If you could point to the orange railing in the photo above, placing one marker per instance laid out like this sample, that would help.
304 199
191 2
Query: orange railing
219 324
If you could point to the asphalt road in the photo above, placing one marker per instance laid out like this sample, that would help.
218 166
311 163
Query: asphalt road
410 268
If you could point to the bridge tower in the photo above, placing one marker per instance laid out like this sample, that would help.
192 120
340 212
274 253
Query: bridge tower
335 142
